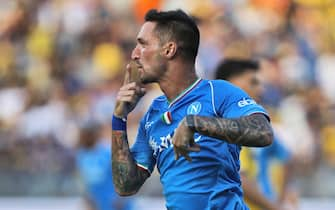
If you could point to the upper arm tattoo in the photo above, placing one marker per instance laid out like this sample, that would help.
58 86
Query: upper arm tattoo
127 176
254 130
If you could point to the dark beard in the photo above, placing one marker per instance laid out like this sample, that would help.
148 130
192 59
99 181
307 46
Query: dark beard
148 80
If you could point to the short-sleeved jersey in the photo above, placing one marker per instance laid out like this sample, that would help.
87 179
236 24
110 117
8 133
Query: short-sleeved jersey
211 180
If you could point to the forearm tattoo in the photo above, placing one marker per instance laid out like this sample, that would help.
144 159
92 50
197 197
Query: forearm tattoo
253 130
127 176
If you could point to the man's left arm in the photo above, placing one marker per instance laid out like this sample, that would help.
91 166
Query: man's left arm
253 130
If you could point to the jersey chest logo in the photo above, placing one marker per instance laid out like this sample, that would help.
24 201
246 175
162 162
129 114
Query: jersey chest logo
194 108
163 143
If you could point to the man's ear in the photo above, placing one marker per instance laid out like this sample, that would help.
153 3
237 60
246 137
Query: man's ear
170 49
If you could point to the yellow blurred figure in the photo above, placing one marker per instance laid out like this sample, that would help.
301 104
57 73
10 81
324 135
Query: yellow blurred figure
249 168
328 135
38 75
6 57
40 43
108 60
314 2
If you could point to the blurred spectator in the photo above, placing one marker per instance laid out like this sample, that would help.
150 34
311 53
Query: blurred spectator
93 161
255 162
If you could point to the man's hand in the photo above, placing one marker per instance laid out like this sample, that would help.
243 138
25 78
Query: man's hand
129 94
183 141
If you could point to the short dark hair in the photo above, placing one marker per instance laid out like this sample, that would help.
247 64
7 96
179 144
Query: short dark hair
229 68
176 25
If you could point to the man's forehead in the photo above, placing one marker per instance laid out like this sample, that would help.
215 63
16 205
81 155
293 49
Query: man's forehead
146 29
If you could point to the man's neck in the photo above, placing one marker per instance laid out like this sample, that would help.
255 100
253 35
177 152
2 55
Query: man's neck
177 80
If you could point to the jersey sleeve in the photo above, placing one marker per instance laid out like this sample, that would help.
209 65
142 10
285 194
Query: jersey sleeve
141 149
232 102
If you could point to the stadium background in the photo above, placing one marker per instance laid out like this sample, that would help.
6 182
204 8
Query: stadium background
61 63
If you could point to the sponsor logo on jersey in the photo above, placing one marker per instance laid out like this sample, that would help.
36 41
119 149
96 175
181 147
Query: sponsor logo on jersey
197 139
246 102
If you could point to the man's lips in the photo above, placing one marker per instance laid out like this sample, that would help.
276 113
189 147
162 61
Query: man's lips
140 68
138 65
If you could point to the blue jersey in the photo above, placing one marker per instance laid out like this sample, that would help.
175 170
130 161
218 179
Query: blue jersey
211 180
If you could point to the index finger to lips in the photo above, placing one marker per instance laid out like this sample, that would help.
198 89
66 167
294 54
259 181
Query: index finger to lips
129 86
134 74
126 93
127 75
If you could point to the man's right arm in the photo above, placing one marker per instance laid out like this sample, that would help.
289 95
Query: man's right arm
127 176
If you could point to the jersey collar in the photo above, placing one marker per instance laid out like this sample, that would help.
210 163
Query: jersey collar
185 92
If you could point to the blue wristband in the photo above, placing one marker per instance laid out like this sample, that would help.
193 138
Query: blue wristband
119 124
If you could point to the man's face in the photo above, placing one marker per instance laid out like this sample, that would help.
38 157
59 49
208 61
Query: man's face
250 82
148 54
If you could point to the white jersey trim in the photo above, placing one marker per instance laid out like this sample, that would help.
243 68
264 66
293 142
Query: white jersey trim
143 167
213 103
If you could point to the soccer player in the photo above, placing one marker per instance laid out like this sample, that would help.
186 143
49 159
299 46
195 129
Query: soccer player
193 133
258 193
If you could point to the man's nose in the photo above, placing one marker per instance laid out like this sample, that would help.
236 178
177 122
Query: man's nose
135 53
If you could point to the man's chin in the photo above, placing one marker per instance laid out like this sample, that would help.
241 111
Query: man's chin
147 80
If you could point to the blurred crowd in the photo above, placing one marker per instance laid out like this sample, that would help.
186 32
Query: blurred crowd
62 61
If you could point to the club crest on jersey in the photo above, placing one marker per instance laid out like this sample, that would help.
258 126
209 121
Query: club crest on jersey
245 102
194 108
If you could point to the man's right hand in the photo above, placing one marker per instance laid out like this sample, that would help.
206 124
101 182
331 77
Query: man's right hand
129 94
